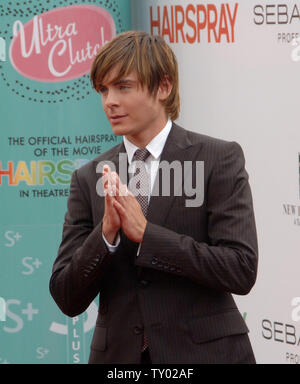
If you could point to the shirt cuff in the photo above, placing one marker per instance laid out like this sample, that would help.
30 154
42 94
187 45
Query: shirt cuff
112 248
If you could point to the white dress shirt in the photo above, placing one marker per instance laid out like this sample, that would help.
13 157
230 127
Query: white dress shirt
155 148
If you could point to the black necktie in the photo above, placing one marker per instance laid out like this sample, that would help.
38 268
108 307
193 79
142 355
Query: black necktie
140 183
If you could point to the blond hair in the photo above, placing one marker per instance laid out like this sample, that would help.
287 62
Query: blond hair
149 56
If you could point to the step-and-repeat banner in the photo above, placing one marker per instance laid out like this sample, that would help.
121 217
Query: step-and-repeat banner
240 79
51 123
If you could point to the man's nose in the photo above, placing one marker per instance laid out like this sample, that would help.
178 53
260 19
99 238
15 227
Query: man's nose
111 99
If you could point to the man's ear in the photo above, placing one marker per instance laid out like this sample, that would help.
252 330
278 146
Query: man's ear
165 88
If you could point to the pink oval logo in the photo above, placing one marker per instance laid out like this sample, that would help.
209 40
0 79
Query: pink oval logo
61 44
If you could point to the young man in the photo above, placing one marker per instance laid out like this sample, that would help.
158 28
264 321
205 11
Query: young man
165 264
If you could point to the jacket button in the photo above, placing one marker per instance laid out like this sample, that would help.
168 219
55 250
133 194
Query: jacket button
138 330
154 261
144 283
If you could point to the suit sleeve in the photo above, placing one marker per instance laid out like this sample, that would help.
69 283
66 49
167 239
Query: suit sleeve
228 260
82 256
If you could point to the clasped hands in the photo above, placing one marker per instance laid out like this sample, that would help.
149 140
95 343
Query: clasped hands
121 210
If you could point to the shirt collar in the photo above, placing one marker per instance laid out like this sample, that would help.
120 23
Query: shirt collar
156 145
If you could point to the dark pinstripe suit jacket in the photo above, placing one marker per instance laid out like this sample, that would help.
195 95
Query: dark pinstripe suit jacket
178 290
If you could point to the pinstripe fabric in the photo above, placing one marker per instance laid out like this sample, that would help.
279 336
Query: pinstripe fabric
191 261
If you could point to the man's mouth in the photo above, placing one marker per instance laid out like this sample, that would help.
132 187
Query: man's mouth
114 119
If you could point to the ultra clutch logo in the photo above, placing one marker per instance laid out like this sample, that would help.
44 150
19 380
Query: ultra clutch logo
60 45
53 45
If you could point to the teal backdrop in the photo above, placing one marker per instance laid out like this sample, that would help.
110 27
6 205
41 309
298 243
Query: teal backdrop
48 128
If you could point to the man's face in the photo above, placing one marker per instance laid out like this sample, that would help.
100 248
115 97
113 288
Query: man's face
130 109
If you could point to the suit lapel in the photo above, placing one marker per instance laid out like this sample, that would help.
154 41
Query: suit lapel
176 148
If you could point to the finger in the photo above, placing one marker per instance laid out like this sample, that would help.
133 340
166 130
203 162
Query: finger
117 194
106 172
111 181
123 190
115 179
120 209
108 201
105 180
106 169
121 194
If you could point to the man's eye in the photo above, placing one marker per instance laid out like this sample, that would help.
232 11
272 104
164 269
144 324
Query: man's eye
102 90
123 87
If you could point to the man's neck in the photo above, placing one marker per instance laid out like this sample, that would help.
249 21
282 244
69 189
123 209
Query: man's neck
155 146
145 137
